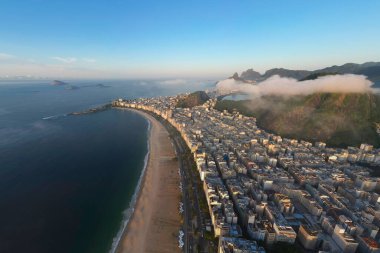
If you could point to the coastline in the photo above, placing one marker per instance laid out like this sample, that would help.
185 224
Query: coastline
128 213
153 213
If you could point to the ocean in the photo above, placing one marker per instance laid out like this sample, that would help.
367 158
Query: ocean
67 181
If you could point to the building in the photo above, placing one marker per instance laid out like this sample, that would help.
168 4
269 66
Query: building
368 245
284 233
308 237
345 241
232 245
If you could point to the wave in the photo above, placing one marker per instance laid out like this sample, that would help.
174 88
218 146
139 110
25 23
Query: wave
127 214
54 116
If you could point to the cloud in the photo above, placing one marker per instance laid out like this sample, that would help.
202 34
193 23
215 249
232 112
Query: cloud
89 60
4 56
173 82
73 59
276 85
65 59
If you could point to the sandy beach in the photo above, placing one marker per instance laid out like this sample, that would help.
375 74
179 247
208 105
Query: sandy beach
155 224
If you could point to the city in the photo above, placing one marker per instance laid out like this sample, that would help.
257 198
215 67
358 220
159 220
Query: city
263 190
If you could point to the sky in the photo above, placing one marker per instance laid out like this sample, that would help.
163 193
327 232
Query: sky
183 38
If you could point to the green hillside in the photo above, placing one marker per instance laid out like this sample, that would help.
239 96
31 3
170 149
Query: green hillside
338 119
317 75
193 99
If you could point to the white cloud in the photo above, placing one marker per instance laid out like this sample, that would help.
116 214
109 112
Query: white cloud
276 85
4 56
73 59
65 59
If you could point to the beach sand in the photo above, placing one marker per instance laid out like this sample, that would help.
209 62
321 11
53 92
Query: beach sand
155 223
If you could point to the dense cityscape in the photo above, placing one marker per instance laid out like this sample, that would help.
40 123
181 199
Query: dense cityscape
264 190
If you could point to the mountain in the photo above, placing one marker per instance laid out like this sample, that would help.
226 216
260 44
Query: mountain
250 74
373 73
237 78
317 75
296 74
339 119
353 68
193 99
370 69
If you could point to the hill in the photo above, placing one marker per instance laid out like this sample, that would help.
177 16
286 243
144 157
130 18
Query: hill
370 69
193 99
250 74
316 75
339 119
296 74
373 73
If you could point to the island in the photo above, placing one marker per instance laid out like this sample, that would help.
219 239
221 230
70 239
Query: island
58 83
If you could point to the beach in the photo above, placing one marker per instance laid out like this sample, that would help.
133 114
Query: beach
155 223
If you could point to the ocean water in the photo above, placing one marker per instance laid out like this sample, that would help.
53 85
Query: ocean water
66 181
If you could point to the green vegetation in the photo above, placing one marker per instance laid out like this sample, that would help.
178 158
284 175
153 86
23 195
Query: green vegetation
209 236
193 99
284 248
241 106
316 75
339 119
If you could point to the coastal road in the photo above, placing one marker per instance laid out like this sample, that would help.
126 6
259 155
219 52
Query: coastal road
190 180
185 191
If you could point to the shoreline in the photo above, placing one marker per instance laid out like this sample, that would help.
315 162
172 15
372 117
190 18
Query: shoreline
128 213
153 211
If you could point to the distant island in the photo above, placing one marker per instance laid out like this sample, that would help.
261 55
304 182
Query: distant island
72 87
76 87
58 83
100 85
